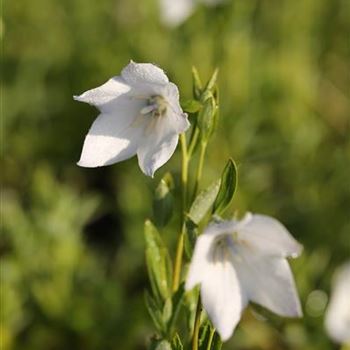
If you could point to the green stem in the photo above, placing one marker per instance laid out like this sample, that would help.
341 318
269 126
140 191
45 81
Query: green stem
211 336
197 323
180 242
184 172
199 168
178 260
193 142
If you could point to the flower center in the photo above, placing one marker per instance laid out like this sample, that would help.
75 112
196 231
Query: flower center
226 248
156 106
222 249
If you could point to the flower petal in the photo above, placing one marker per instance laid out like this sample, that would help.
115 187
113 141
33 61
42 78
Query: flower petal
268 281
112 138
200 260
152 155
144 73
104 95
222 297
337 320
268 235
175 119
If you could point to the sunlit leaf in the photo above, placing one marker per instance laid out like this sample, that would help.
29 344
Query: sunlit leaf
227 188
203 202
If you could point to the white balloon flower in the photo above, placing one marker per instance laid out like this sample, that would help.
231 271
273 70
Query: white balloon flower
140 114
337 319
240 261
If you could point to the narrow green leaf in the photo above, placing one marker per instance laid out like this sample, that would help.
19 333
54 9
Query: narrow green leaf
158 262
190 302
163 202
177 301
153 278
191 106
176 343
227 188
203 202
167 311
154 312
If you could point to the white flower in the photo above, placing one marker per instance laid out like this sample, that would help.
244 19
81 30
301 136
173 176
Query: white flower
337 319
174 12
240 261
140 114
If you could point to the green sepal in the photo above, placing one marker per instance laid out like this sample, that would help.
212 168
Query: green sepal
207 117
204 335
163 202
191 106
158 262
209 339
211 85
203 202
176 343
216 344
197 84
227 189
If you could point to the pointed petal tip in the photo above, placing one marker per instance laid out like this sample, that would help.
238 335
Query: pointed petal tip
82 164
297 313
85 164
225 336
226 331
148 172
298 249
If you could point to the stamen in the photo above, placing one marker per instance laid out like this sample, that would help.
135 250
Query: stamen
148 109
156 107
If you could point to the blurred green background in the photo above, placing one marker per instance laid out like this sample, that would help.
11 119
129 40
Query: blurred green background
72 261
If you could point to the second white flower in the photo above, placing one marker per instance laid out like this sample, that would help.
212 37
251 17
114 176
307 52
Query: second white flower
240 261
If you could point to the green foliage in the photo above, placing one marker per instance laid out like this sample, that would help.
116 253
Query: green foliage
158 262
72 262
